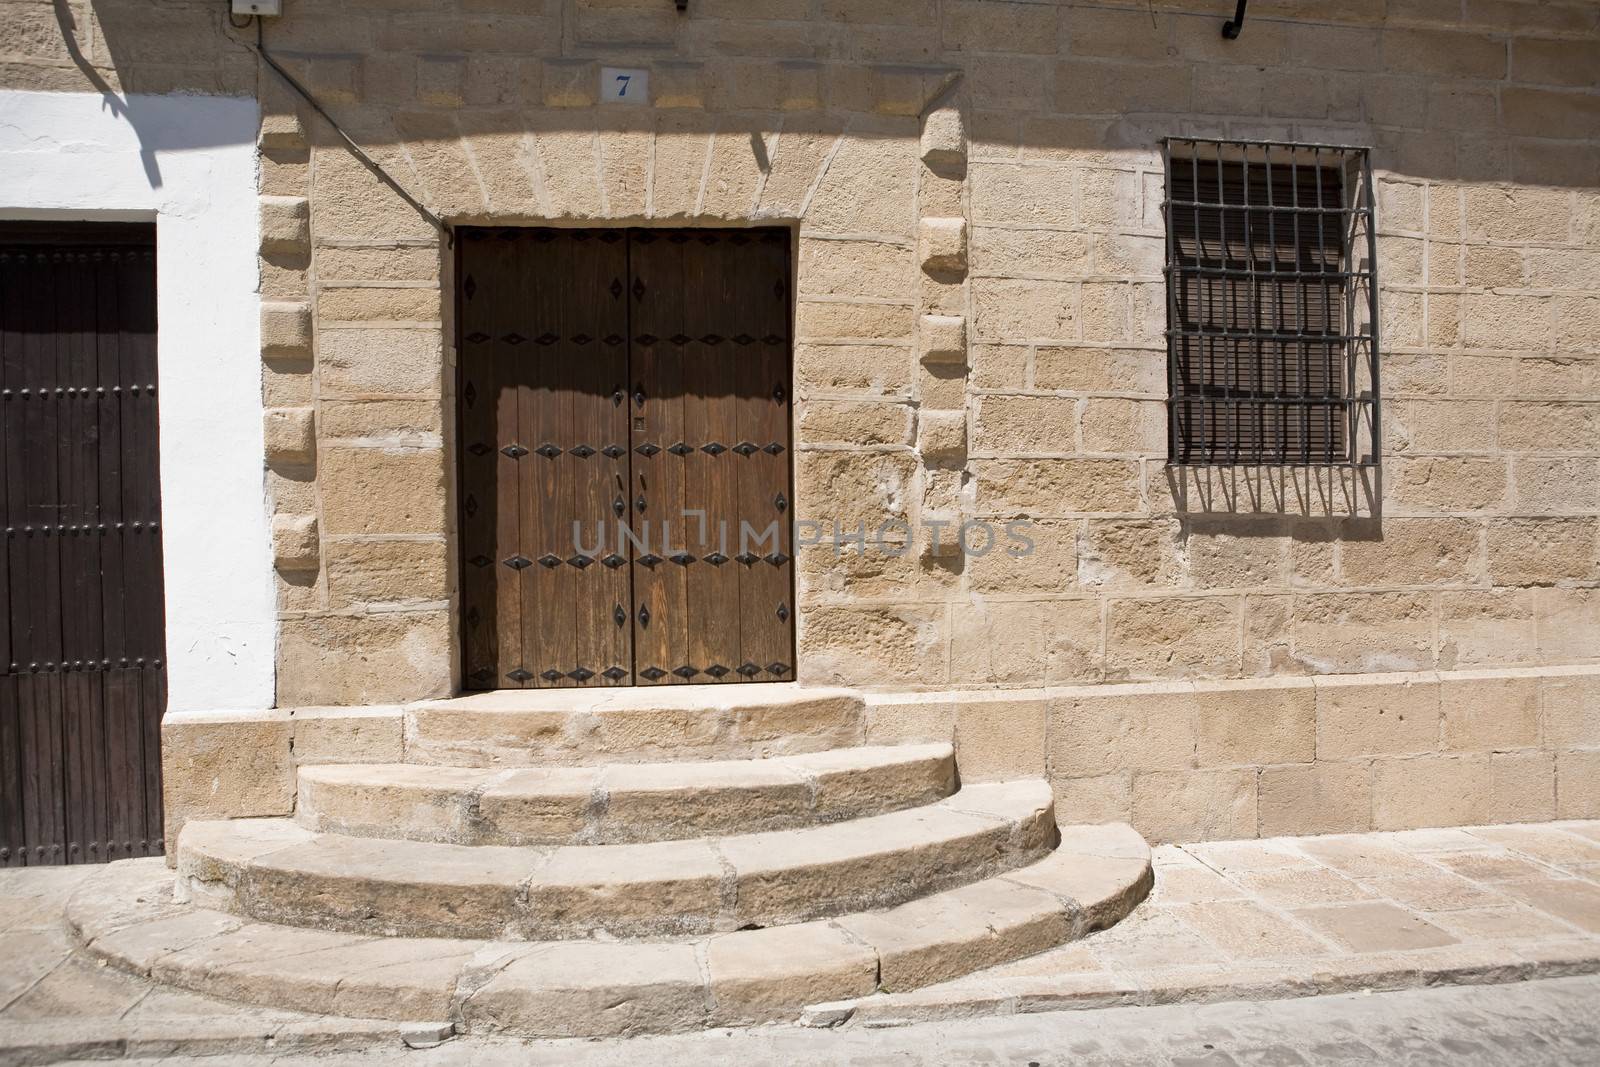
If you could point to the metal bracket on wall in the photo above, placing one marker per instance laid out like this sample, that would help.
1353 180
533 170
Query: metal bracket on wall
1231 28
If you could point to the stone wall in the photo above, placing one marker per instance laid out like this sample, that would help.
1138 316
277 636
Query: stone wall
976 189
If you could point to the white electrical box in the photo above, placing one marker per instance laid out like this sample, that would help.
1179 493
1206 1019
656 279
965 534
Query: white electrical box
258 7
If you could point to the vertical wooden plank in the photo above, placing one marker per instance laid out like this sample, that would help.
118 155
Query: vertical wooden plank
760 305
546 373
598 301
661 624
487 410
711 483
12 840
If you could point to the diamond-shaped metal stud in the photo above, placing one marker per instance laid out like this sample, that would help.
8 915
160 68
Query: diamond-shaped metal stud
619 506
469 287
783 612
744 448
679 449
772 339
473 617
519 675
711 339
618 615
551 675
613 338
680 338
747 558
478 448
580 674
779 393
648 449
638 288
513 338
716 559
480 561
481 675
581 339
682 559
653 673
515 451
548 450
716 670
772 449
477 337
469 393
649 559
613 561
743 339
616 286
777 668
516 563
613 451
550 560
614 673
582 451
777 559
686 671
647 339
780 502
547 338
749 670
580 561
713 449
644 614
470 506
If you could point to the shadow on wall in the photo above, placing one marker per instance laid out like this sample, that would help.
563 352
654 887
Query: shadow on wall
1310 492
1435 97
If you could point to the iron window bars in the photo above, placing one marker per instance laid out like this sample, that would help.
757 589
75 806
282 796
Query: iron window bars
1272 304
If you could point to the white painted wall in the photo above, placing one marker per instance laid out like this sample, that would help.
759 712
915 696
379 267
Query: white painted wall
189 163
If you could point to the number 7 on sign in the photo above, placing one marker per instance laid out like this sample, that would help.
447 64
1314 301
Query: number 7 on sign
625 85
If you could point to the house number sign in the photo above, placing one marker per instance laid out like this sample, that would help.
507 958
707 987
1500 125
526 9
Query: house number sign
624 85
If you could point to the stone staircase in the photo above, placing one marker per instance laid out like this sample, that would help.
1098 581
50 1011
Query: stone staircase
581 863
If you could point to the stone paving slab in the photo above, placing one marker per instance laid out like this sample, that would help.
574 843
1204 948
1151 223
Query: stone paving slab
1288 917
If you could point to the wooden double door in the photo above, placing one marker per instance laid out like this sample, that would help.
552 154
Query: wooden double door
82 620
624 401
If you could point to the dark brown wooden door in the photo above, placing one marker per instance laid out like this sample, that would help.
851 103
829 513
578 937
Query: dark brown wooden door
625 504
83 682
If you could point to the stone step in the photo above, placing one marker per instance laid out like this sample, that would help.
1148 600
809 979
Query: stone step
595 988
645 724
620 803
276 870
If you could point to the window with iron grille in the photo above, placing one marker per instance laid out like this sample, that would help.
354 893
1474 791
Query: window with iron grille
1272 337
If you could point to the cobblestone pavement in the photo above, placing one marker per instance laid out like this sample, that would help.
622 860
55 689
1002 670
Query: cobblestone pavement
1228 921
1529 1024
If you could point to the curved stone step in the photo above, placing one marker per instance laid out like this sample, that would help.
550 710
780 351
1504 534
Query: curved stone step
620 803
645 724
275 870
594 989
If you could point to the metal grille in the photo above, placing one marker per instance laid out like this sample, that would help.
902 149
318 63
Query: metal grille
1272 337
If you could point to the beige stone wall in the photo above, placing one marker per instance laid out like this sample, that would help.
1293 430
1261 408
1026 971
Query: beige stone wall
976 189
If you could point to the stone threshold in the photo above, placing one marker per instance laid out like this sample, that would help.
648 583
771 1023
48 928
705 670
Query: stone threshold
1280 918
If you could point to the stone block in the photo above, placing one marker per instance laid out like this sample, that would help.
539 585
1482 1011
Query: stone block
290 436
1543 551
361 659
369 734
1057 487
1578 785
944 140
570 82
382 490
1484 711
295 545
1522 787
1486 628
1255 721
874 645
365 361
281 131
1316 798
1017 309
856 268
1430 791
844 320
831 368
386 573
1093 732
942 339
1201 805
1346 633
225 765
1026 425
1571 708
1099 799
285 224
441 80
1377 715
757 976
1000 739
285 330
1173 637
1567 623
942 436
942 245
